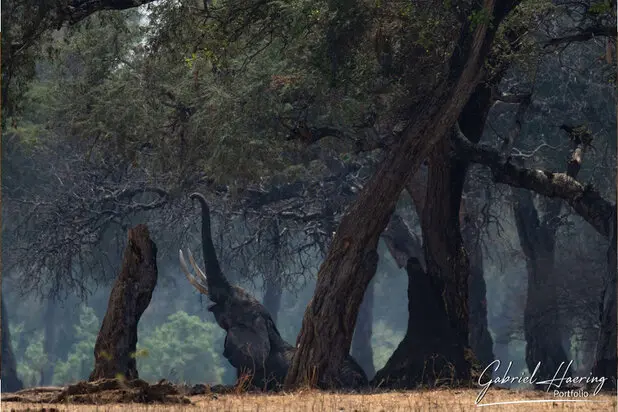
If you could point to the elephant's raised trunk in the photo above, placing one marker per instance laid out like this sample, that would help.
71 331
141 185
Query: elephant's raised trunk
218 287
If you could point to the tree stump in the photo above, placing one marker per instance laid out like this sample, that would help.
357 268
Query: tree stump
114 351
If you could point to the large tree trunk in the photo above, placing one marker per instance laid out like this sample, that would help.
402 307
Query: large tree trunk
361 342
541 319
605 358
10 381
444 285
328 324
445 256
431 349
447 187
544 329
431 353
114 351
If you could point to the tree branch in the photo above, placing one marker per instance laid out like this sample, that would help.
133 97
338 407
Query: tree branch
78 10
584 199
584 35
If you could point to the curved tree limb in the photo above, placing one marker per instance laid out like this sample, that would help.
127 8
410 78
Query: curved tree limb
584 199
584 35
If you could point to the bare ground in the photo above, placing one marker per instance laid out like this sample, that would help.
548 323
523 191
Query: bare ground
451 400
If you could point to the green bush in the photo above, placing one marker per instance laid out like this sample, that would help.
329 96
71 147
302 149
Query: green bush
384 340
30 361
181 350
80 361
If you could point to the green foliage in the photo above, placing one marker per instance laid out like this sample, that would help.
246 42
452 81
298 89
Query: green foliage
80 360
478 17
601 7
34 358
513 45
384 340
183 349
172 83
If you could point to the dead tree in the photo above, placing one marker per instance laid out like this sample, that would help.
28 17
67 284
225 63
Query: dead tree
114 351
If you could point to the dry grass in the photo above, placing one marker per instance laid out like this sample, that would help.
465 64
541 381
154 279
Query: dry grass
421 400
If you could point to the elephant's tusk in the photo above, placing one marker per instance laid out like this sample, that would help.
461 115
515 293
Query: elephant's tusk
183 265
199 271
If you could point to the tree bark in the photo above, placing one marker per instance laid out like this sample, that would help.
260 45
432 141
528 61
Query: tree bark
430 352
541 318
447 189
361 342
114 351
401 243
10 380
328 323
445 255
606 358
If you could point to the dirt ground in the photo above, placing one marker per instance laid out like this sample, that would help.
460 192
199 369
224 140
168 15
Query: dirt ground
420 400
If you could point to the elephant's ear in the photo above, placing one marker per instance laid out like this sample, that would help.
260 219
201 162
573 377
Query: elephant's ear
247 346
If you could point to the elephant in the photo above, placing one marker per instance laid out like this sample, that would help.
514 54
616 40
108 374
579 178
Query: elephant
253 345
